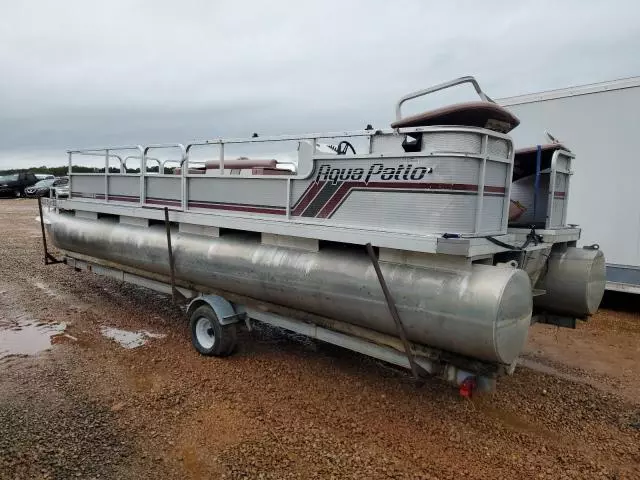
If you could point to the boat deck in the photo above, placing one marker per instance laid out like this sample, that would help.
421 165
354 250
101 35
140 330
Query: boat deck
454 186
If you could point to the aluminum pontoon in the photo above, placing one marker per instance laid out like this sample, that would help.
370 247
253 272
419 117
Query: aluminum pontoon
433 245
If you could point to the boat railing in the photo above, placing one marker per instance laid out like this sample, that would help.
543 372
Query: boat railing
442 86
196 185
159 187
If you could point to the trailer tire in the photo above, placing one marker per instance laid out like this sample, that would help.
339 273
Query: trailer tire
208 336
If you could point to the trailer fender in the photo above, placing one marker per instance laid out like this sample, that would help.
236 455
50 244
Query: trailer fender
221 306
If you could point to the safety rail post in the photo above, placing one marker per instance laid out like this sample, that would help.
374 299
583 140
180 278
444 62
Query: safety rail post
184 165
143 164
183 181
481 182
507 193
184 168
288 211
536 183
221 166
70 168
567 184
106 175
552 191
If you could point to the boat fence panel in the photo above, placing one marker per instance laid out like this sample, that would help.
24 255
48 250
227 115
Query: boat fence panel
426 180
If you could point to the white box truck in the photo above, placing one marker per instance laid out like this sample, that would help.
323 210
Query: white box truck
600 123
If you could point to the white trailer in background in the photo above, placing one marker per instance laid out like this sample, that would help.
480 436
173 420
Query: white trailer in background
600 123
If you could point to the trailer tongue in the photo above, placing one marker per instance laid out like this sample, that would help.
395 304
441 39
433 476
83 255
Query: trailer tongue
451 289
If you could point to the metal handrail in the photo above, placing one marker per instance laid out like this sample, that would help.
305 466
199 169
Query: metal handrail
103 149
284 138
182 148
442 86
186 150
279 138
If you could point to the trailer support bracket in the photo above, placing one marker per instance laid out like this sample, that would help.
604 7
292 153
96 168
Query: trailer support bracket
415 368
48 258
176 294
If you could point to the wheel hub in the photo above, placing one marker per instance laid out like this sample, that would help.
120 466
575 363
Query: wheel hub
205 333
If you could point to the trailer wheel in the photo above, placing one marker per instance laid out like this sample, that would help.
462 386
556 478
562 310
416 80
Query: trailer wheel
208 336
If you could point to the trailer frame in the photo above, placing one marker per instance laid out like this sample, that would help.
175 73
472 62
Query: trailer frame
231 309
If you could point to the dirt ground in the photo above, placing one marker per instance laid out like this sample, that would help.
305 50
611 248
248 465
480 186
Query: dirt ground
284 407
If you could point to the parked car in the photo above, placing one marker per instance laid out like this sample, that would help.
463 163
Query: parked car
44 176
44 188
61 189
14 185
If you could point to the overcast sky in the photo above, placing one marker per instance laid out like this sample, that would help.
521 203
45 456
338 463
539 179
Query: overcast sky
84 73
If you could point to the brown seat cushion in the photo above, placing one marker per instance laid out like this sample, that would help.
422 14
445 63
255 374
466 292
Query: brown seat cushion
270 171
178 171
471 114
242 163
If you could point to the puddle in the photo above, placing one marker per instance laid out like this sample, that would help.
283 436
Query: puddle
129 339
24 337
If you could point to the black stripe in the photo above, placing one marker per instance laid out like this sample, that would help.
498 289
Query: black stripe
321 199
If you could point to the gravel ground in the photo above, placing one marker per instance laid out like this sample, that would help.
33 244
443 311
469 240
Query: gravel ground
283 407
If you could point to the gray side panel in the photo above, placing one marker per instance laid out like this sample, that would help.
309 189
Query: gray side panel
87 184
123 185
446 213
248 191
491 220
162 187
496 174
467 142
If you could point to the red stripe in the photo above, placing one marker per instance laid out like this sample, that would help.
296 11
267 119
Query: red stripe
114 198
467 187
424 186
123 198
307 198
160 201
328 209
311 184
338 195
239 208
559 194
